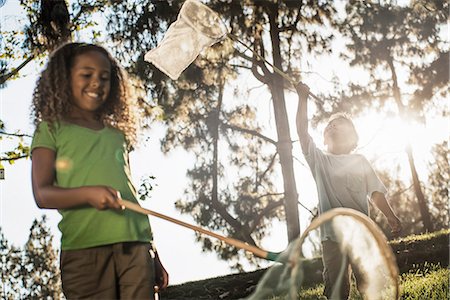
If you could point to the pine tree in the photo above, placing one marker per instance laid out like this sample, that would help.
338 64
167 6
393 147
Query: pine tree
31 272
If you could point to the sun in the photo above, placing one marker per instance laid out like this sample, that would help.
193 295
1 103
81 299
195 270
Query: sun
383 140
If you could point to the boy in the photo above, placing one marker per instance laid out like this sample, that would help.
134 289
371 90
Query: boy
343 179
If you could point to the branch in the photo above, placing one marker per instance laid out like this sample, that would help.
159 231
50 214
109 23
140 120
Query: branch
258 60
241 230
241 54
16 134
258 75
5 77
272 161
401 191
271 206
293 26
13 158
249 131
241 66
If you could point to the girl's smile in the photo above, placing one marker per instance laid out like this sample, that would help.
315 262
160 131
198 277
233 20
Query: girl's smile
90 81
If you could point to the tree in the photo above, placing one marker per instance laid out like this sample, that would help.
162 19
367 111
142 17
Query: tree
385 38
202 120
438 187
10 263
31 272
49 24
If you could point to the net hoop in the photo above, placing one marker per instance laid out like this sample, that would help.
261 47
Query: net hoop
373 228
192 12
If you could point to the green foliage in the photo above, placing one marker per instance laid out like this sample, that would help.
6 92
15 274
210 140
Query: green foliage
22 150
430 282
438 189
146 187
31 272
33 40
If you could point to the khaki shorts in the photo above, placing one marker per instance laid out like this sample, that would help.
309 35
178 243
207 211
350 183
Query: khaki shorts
116 271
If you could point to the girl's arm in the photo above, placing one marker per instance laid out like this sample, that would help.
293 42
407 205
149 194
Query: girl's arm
302 115
47 195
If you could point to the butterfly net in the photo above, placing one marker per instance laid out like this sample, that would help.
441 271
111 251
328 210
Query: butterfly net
197 27
360 243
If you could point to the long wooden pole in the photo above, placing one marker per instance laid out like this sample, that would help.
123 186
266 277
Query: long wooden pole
237 243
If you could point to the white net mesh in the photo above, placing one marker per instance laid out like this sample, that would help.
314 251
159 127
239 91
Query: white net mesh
359 243
196 28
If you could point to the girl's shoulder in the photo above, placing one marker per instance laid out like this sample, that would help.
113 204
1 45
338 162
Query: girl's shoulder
48 125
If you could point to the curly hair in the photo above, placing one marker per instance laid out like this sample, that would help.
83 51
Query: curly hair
52 94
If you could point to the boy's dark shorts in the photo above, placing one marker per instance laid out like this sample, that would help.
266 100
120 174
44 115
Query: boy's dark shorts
116 271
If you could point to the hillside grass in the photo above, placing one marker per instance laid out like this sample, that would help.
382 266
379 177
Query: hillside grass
423 262
431 283
414 238
423 281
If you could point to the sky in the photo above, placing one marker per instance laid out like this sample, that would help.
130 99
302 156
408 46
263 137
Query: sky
380 139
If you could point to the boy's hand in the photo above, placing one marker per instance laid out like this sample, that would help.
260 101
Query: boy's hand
103 197
396 225
302 89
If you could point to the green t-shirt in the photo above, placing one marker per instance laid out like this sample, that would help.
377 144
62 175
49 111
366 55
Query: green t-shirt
87 157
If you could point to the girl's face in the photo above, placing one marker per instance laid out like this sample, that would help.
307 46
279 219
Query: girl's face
90 80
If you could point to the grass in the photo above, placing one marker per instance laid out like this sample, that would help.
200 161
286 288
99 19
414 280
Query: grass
420 237
430 282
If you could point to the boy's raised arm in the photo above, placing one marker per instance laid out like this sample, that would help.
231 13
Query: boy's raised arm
302 115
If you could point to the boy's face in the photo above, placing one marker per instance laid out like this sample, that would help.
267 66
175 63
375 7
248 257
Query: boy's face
340 136
90 79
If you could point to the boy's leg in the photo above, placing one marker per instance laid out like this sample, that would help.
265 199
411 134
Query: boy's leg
88 273
360 278
335 271
135 269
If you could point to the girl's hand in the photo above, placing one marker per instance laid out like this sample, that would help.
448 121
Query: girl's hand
161 275
103 197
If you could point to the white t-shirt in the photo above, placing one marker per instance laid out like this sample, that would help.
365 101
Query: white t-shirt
346 180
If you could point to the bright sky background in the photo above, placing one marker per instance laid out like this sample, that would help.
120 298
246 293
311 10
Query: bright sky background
380 138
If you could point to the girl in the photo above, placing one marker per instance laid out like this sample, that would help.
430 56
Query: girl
85 127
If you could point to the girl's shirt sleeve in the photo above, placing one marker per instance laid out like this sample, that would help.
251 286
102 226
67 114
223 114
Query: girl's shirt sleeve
44 137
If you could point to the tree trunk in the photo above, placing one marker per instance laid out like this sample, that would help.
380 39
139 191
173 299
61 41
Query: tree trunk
284 145
423 207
